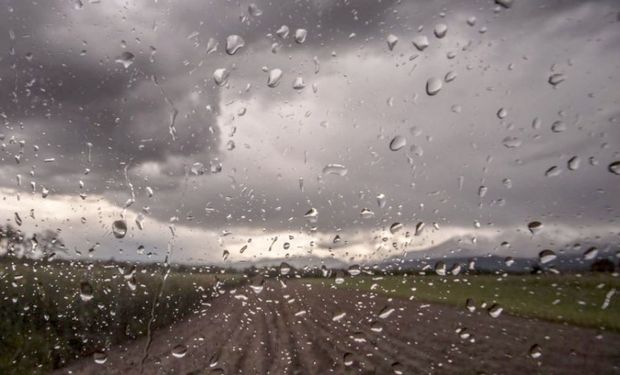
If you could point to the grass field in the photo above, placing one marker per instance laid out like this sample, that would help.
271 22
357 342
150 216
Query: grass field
51 314
572 299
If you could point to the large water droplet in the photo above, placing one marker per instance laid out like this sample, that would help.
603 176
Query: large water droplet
433 85
591 253
420 42
558 126
299 84
220 76
126 59
283 31
335 169
119 228
274 77
614 167
100 358
233 44
546 256
441 29
395 227
398 142
300 35
511 142
556 79
534 226
86 291
573 163
391 41
179 351
535 351
440 268
495 310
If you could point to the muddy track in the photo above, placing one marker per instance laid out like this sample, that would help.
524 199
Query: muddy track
291 330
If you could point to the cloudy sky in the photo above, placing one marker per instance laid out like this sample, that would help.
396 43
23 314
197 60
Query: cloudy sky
106 101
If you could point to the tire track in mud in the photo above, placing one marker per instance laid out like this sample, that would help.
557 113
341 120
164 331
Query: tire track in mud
266 334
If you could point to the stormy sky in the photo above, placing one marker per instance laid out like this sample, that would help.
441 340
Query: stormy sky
103 101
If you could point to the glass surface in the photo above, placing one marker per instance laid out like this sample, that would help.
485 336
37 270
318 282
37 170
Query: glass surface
309 187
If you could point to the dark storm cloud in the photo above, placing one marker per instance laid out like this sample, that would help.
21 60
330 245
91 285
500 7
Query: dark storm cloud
60 99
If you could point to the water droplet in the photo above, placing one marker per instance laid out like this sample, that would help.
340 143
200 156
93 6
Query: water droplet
553 171
220 76
511 142
119 228
558 126
495 310
86 291
504 3
274 77
556 79
312 215
509 261
386 312
395 227
614 167
335 169
212 45
347 359
354 270
573 163
440 268
126 59
441 29
590 254
254 10
471 21
482 191
233 44
100 358
179 351
366 213
535 351
420 42
546 256
398 142
381 200
502 113
534 226
299 84
339 316
450 76
470 305
284 269
419 227
433 85
300 35
398 368
391 41
283 31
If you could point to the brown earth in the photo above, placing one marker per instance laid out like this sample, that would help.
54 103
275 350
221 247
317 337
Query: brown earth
269 334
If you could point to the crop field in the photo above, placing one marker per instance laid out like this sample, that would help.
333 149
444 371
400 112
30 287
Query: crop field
53 313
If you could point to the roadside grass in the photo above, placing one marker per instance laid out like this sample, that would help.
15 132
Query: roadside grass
46 324
572 299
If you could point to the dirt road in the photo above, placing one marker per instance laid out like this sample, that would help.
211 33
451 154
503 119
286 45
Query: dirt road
308 329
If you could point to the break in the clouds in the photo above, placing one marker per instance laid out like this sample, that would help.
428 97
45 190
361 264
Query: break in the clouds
105 101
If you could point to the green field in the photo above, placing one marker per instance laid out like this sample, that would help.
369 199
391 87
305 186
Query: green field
47 319
572 299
